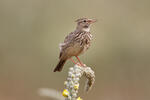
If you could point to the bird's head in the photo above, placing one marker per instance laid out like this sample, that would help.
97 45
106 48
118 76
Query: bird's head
84 23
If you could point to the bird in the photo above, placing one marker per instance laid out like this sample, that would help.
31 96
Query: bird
76 43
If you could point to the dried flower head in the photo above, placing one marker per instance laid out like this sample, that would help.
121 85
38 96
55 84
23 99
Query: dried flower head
72 83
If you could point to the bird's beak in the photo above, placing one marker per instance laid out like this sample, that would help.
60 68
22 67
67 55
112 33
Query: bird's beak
92 21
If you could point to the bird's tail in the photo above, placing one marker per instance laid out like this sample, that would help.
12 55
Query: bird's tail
60 65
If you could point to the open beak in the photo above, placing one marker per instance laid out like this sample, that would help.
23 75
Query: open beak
92 20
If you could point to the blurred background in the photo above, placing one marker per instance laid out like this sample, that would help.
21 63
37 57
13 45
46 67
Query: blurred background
31 30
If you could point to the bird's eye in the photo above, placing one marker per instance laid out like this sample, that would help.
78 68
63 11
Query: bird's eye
84 21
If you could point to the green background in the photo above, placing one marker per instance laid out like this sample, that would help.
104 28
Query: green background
31 30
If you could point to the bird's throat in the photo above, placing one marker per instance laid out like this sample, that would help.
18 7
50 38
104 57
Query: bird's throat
86 29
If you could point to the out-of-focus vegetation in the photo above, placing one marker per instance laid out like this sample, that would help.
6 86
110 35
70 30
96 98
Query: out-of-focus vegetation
30 31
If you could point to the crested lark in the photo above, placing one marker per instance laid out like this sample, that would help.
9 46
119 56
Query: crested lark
75 43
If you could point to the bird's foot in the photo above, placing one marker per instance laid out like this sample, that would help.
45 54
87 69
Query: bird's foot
81 64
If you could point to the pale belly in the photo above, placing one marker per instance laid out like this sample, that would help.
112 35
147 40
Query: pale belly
76 50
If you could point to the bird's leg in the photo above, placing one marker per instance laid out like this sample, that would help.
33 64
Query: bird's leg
73 61
80 61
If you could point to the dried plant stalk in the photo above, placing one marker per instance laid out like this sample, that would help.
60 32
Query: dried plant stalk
72 83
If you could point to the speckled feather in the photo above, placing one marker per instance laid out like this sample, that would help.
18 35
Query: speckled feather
82 38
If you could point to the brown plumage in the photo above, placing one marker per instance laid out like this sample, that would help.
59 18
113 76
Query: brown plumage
76 42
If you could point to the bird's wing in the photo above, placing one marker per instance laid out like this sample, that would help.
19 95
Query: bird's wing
68 37
64 45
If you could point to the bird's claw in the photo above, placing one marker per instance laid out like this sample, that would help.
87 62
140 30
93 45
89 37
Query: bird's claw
81 65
